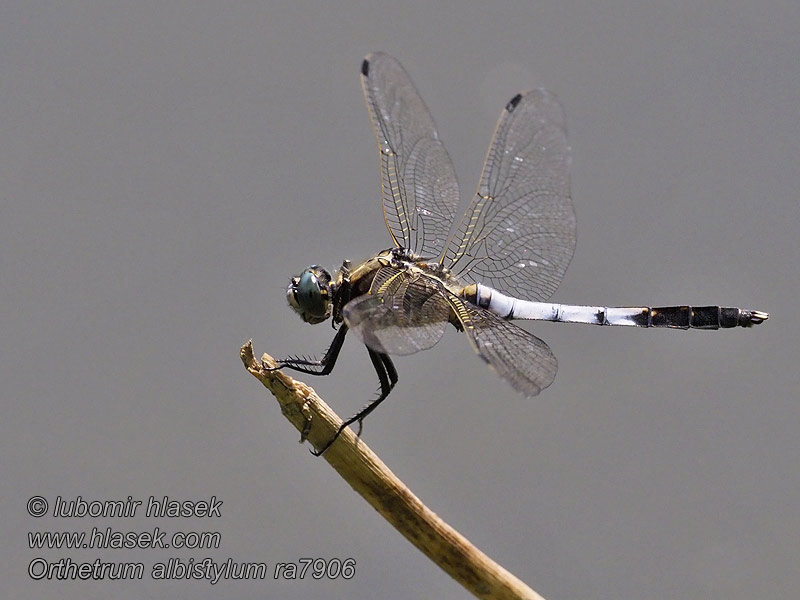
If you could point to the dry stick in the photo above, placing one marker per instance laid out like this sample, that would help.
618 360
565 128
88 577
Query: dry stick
368 476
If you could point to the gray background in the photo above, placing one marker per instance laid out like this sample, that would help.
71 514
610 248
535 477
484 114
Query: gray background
166 167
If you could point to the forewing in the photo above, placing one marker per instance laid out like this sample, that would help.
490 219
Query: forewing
401 314
519 357
418 182
518 234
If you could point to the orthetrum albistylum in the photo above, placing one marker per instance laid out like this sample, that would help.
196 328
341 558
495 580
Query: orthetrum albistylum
503 259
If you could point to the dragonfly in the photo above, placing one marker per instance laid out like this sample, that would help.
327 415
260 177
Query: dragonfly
502 260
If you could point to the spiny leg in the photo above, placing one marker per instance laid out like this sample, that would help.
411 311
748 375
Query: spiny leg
387 375
322 366
386 386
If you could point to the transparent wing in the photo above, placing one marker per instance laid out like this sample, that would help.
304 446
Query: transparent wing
401 314
518 234
519 357
418 182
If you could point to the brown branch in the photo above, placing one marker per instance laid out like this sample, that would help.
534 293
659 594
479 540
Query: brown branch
373 480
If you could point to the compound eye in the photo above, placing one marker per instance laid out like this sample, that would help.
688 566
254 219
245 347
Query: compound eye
308 295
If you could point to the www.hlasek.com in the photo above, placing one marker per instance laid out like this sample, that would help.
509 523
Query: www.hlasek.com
108 538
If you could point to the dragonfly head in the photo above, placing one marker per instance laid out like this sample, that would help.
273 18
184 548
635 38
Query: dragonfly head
309 295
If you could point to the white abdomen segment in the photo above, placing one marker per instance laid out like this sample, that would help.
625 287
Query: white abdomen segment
679 317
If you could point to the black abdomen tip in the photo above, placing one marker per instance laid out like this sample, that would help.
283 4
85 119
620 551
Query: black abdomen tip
512 104
365 68
748 318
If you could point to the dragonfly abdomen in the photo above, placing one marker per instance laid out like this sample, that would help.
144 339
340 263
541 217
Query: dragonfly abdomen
676 317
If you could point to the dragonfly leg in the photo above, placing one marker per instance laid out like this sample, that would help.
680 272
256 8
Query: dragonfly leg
323 366
387 375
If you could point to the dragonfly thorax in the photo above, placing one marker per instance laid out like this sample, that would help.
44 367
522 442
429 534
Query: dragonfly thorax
309 294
